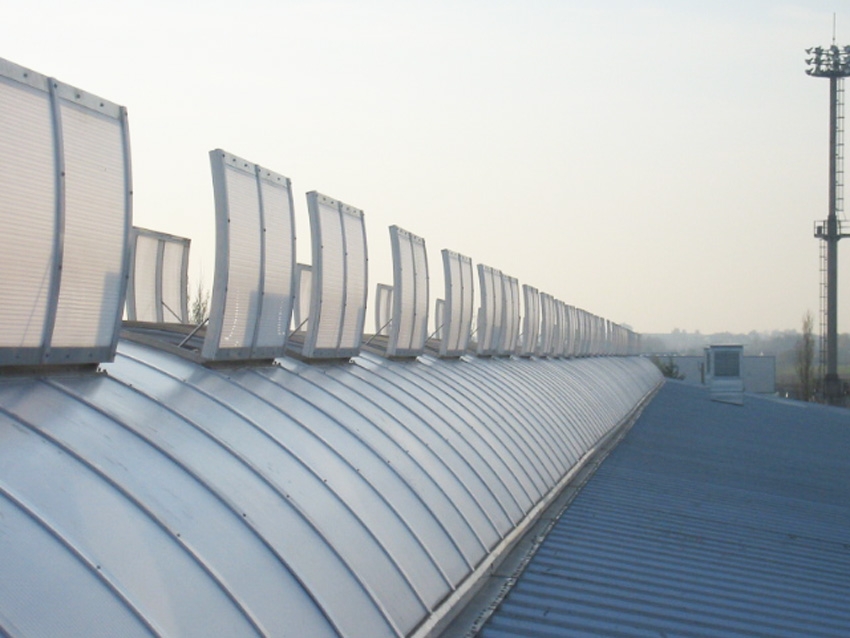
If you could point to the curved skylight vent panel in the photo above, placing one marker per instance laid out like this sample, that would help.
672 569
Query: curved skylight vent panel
65 213
439 317
159 270
547 324
459 304
582 347
490 314
560 328
510 315
255 251
530 321
383 309
570 349
303 291
338 301
409 325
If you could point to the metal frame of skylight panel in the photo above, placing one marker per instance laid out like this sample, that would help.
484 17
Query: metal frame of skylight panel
409 325
530 321
383 309
301 299
77 248
459 303
251 307
336 335
162 239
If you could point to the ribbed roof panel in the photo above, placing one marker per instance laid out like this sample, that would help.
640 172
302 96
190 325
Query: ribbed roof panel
709 519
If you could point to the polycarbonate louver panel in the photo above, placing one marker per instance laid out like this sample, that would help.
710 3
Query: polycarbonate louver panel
530 321
175 274
439 314
383 309
64 221
142 288
276 197
303 284
93 256
159 266
547 324
356 279
28 215
408 329
459 303
338 299
561 328
255 248
510 314
490 313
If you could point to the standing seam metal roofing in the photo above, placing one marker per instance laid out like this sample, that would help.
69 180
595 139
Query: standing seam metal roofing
708 519
163 497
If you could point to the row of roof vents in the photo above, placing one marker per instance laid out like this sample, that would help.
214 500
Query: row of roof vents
69 258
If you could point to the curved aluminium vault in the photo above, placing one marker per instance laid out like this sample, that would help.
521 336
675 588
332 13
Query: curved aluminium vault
161 497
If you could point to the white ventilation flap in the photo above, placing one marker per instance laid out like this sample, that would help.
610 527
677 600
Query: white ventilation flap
157 287
530 321
65 210
459 303
338 301
253 290
383 309
409 325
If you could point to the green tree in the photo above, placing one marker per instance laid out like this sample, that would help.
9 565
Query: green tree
199 304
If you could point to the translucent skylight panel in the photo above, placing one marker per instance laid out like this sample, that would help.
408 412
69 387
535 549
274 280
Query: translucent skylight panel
175 272
383 309
459 303
510 314
64 221
530 320
547 324
338 302
279 253
490 312
28 213
142 293
159 264
303 291
439 315
408 329
252 294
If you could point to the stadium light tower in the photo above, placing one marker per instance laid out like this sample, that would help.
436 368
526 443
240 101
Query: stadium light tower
831 62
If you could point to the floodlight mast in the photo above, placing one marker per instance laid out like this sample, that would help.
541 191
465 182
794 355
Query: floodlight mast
832 62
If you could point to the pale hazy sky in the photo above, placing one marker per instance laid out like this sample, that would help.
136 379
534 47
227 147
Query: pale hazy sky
659 163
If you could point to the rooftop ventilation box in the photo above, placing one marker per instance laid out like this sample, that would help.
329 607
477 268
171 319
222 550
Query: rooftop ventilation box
723 373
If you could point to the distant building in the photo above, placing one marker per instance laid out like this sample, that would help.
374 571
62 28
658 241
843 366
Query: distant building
759 372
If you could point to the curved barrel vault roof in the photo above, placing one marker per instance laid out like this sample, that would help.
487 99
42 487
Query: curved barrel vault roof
163 497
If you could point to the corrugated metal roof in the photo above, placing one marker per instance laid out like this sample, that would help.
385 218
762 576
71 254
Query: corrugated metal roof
708 519
350 498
